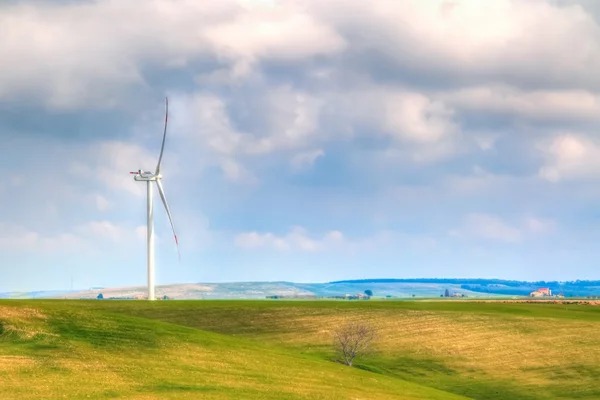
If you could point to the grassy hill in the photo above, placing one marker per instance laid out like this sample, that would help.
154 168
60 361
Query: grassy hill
282 349
56 349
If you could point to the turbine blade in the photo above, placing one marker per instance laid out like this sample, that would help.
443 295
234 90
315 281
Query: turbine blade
161 191
162 147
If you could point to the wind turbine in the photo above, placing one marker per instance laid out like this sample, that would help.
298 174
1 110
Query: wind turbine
149 177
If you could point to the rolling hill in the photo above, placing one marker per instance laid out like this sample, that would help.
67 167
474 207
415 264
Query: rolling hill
57 349
283 350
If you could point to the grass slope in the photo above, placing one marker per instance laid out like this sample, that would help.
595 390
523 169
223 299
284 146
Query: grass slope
480 350
68 349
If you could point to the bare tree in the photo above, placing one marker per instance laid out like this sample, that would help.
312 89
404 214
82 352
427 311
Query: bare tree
352 339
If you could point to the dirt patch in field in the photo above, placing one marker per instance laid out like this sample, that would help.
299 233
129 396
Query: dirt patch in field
556 301
25 322
22 313
553 301
9 363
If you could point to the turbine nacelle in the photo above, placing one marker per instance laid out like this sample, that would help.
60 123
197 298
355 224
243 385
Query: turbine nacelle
145 176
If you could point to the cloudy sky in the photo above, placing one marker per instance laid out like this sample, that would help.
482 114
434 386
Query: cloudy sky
309 140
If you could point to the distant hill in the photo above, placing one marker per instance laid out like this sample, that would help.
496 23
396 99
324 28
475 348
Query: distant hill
577 288
43 294
398 288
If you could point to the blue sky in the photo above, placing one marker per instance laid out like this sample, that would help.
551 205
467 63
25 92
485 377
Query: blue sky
309 140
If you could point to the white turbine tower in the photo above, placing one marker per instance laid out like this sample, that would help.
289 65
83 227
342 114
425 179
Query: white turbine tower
149 177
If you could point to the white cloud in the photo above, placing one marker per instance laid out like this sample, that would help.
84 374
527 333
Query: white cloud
417 118
306 159
120 234
110 163
141 232
102 204
235 171
539 226
78 239
421 126
14 238
105 229
486 141
289 117
473 40
570 156
292 117
481 41
282 32
539 105
297 240
404 114
457 42
492 227
289 121
85 54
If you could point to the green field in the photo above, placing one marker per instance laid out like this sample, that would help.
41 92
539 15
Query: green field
282 350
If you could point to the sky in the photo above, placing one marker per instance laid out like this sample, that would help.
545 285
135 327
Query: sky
309 140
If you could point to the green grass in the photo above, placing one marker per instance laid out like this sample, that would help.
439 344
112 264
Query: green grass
98 350
282 350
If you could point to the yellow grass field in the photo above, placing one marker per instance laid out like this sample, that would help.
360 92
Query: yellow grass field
283 349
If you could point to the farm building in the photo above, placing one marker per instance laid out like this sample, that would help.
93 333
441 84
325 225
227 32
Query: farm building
541 292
